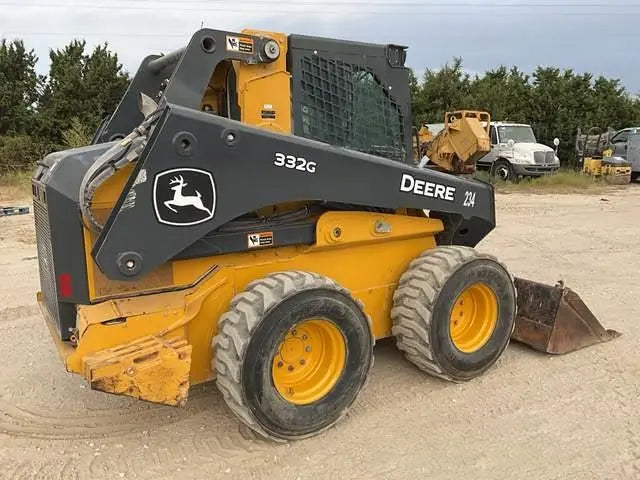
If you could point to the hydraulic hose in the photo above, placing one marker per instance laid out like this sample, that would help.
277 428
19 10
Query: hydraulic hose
125 151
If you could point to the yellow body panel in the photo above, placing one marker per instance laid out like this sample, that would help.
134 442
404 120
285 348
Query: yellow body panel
364 252
146 368
266 88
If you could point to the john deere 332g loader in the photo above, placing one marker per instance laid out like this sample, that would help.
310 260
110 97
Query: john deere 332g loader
250 213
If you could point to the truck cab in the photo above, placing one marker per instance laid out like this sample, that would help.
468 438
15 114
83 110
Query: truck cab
516 153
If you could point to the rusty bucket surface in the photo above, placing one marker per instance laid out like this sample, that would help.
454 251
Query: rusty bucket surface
553 319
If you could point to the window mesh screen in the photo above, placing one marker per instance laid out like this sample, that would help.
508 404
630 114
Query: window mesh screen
345 105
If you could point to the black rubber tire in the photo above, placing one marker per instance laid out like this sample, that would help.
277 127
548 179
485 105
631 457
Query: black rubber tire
503 170
249 335
423 301
634 176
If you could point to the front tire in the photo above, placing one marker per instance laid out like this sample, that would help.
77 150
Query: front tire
503 170
454 312
292 355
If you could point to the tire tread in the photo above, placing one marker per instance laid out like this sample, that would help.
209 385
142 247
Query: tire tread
414 300
236 326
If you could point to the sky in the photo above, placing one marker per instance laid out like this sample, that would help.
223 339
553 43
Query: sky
595 36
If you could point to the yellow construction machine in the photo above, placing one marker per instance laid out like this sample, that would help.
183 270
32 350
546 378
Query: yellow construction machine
595 158
456 148
250 213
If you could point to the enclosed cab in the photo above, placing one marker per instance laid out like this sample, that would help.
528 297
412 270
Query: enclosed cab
515 152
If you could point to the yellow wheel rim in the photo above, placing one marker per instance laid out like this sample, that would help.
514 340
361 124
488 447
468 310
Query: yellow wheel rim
309 361
473 318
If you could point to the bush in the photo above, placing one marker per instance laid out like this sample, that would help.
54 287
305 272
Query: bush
18 153
564 181
78 135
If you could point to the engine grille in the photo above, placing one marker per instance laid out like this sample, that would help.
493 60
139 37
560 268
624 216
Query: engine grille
347 106
45 259
544 157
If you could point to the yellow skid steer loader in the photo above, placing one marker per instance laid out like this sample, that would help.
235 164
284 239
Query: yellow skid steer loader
250 213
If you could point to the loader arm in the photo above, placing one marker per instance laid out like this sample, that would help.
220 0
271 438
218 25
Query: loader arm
250 168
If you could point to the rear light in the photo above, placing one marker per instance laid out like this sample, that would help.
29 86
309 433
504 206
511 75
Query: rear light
64 285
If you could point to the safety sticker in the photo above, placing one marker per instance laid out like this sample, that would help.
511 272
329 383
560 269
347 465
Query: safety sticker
263 239
240 44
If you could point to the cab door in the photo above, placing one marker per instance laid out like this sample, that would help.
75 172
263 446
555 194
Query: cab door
491 156
619 144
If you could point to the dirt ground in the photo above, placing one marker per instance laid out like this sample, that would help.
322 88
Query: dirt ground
532 416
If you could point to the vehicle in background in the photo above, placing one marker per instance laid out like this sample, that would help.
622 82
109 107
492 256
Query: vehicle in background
595 155
625 144
516 153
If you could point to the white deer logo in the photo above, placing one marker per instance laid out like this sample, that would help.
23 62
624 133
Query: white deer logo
180 200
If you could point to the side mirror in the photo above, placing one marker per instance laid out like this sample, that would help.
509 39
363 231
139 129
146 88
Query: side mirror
556 141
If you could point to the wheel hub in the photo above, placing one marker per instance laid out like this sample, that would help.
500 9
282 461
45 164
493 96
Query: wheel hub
473 318
309 361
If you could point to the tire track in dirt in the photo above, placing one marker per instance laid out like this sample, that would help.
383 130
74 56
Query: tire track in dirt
209 453
32 422
49 470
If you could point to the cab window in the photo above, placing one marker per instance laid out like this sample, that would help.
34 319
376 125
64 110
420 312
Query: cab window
620 138
494 136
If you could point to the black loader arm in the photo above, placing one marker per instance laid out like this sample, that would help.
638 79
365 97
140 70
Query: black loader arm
222 169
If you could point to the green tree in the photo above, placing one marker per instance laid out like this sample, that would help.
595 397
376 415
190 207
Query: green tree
444 89
612 106
504 93
18 88
80 86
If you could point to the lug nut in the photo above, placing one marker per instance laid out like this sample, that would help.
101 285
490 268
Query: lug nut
302 362
304 337
307 349
293 332
290 368
280 364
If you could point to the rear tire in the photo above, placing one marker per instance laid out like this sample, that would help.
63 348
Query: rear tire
504 171
634 176
434 327
292 355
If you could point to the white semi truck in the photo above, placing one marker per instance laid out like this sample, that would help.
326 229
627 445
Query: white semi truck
515 152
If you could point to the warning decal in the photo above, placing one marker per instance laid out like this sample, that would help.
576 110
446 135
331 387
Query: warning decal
240 44
264 239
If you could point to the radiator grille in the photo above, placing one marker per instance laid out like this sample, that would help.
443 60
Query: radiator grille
45 259
551 157
347 106
544 157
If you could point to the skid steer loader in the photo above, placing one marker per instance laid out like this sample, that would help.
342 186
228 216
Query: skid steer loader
249 214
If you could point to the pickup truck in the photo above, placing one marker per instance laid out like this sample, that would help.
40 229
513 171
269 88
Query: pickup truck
625 143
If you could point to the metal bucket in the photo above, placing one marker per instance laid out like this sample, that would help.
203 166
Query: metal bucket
553 319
